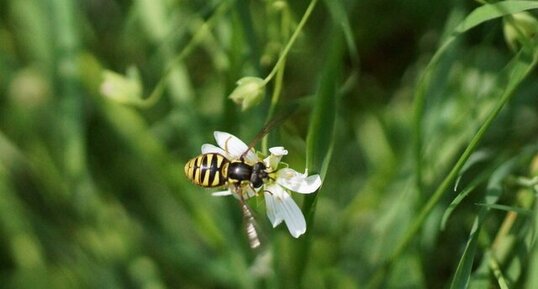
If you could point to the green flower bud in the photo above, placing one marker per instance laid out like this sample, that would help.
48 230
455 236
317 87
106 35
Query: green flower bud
522 27
122 89
249 92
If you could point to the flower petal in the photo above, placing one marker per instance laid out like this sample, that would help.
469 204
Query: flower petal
293 217
251 158
273 212
222 193
278 151
280 206
244 192
235 147
297 182
209 148
274 158
248 192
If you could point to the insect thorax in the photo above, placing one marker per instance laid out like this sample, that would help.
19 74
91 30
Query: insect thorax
239 171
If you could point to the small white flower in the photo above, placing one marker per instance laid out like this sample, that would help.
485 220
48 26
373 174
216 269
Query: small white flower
279 204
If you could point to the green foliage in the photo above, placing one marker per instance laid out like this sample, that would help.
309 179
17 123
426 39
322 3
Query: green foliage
420 116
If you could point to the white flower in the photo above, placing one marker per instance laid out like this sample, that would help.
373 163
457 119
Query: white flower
279 204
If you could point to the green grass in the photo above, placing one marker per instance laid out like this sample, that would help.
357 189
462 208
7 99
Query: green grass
421 118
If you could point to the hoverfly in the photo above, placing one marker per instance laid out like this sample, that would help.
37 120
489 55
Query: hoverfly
212 170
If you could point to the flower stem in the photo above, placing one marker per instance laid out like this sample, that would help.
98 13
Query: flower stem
277 88
284 53
197 38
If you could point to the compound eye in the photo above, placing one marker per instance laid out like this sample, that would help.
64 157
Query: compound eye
256 182
259 166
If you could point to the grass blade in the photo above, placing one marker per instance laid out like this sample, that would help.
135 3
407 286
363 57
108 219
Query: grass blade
320 138
464 269
465 265
492 11
509 79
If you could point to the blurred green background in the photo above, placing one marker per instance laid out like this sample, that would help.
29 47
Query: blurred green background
92 189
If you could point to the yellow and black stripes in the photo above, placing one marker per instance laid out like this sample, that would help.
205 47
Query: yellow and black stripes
214 170
208 170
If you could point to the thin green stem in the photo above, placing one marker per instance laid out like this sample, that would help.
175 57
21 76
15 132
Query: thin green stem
277 88
294 36
420 101
67 45
155 94
198 37
277 91
495 268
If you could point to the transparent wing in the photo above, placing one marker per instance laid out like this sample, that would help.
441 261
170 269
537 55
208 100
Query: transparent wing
268 127
250 226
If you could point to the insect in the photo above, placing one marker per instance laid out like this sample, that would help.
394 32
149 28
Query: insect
211 170
215 170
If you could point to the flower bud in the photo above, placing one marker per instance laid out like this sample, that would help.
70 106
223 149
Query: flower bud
521 28
249 92
122 89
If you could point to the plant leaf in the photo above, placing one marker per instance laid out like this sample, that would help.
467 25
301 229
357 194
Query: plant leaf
491 11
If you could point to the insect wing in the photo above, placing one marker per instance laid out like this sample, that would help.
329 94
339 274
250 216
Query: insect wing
267 128
250 226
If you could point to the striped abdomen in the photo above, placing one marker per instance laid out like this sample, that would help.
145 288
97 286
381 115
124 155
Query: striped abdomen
208 170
